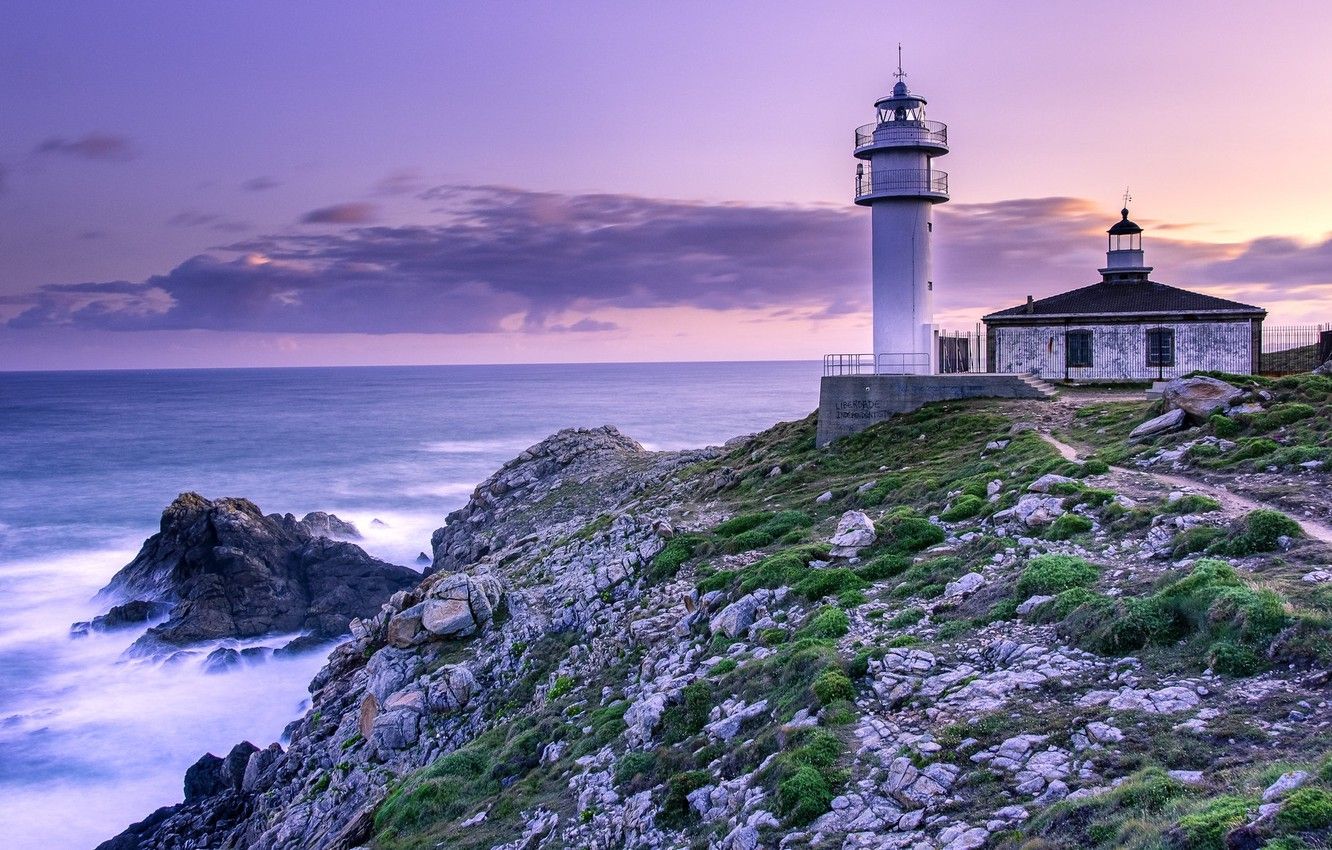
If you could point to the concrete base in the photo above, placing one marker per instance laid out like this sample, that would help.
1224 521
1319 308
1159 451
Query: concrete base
851 403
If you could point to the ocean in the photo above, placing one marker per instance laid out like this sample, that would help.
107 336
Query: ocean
91 741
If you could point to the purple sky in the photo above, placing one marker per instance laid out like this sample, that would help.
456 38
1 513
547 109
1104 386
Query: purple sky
235 183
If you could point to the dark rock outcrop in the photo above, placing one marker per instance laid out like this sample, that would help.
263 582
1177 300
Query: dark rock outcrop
320 524
231 572
122 617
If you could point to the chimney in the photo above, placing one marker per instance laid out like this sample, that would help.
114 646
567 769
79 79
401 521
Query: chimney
1029 305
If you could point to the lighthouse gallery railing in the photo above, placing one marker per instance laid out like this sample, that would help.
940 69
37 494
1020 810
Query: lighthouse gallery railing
893 132
907 181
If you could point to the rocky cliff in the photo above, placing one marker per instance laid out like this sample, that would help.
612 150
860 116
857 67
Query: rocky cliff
984 624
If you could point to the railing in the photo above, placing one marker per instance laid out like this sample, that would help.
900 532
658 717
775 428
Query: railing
901 133
901 181
884 363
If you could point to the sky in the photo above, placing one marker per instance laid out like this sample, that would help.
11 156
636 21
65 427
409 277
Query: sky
266 184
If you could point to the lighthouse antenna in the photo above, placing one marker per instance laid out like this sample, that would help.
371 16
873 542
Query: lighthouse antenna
1127 197
900 72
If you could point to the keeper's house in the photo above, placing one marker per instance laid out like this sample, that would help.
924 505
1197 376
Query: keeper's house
1125 328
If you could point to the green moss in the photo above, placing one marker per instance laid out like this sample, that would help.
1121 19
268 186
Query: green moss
965 507
726 665
1223 426
1252 447
1049 574
1282 414
903 640
906 617
634 767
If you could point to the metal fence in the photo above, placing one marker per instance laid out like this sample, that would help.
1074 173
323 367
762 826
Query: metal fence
1294 348
901 181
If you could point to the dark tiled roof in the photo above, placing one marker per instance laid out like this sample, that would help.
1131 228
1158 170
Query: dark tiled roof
1125 297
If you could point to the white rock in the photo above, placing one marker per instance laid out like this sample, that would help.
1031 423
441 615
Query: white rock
1286 783
1032 603
1048 482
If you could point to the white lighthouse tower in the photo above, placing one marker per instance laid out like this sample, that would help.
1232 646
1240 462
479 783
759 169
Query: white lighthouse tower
897 181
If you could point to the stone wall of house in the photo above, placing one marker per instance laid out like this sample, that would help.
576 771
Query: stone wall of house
1119 351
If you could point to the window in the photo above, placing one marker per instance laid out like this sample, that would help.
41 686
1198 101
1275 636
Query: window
1161 347
1078 348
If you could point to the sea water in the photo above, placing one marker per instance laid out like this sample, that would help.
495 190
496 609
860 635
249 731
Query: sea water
91 741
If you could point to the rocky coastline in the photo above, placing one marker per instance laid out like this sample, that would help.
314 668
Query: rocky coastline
983 624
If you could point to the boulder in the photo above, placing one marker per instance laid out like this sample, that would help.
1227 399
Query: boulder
1034 510
736 618
1166 422
963 586
221 660
229 571
855 531
450 689
1049 482
1200 396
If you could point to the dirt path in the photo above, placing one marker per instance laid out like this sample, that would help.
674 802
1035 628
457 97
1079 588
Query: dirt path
1232 502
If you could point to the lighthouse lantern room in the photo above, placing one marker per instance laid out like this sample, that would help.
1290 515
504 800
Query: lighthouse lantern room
897 181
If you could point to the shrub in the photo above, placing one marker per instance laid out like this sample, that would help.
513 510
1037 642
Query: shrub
1223 426
803 796
1199 538
1232 659
833 685
1064 604
562 686
903 640
741 523
906 534
1193 503
810 777
1259 531
726 665
906 617
634 765
1055 573
1067 526
747 541
1094 466
828 623
1206 829
1150 790
1306 809
676 804
828 582
697 700
884 566
672 556
965 507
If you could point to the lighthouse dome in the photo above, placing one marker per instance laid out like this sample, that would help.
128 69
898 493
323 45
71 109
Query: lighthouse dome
900 89
1123 227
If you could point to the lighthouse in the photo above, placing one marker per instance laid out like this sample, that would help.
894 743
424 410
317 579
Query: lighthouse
896 179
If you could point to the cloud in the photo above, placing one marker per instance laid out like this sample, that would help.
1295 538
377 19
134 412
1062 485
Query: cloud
585 325
260 184
213 221
98 146
404 181
350 213
496 259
